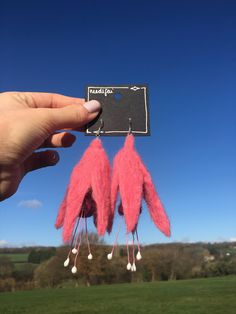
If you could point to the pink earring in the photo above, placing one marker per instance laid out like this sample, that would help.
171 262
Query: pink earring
88 194
133 181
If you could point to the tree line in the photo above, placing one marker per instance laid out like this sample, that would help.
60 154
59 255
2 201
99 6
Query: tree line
174 261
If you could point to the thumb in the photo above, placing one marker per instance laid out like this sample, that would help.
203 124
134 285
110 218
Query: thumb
72 116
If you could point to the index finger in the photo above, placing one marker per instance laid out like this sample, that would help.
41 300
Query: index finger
50 100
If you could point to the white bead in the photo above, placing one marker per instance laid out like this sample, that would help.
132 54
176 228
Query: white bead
134 267
128 266
74 270
90 256
67 261
138 256
74 251
109 256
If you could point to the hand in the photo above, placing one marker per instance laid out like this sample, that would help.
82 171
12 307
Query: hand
29 121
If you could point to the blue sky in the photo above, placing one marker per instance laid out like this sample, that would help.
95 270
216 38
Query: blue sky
185 51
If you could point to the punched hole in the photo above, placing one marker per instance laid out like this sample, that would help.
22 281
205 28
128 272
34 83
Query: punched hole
117 96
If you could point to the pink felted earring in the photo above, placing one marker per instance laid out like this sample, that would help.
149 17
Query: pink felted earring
88 194
133 181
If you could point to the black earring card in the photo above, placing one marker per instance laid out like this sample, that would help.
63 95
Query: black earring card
124 109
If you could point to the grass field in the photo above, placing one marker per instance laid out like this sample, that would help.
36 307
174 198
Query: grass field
205 296
16 257
20 260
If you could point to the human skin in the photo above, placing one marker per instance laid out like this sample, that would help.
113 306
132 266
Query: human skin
30 121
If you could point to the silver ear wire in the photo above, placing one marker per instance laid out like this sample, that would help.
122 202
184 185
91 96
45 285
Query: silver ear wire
101 126
130 126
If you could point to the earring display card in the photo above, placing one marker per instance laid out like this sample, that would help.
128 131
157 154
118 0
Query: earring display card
124 108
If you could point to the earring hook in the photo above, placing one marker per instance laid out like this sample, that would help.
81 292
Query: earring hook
130 126
101 126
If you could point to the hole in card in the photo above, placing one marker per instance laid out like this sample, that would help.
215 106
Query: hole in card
117 96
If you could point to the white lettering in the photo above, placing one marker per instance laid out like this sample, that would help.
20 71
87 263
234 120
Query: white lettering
104 91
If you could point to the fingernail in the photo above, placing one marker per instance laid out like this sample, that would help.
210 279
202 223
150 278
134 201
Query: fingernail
68 140
55 158
92 106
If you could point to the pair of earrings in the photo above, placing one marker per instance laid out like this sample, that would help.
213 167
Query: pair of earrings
93 191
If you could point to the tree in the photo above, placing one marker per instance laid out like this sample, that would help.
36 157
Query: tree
34 257
7 284
6 267
37 256
25 273
50 273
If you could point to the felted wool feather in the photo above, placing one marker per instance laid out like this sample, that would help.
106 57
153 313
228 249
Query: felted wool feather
133 181
88 192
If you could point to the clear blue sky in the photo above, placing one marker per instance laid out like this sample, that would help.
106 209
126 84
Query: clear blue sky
185 51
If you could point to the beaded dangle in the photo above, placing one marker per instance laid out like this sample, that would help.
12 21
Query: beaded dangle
88 194
132 180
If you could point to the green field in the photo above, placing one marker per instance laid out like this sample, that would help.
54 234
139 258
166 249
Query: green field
16 257
20 260
205 296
